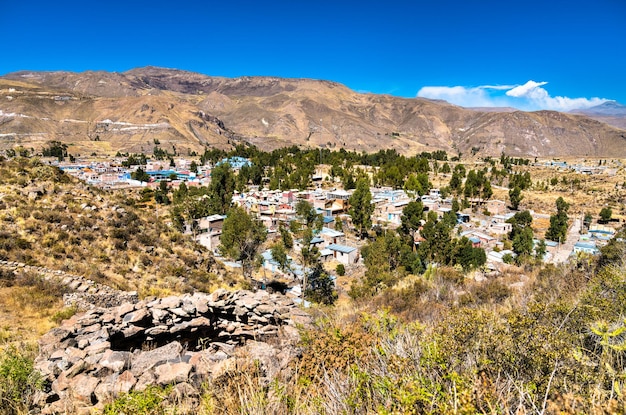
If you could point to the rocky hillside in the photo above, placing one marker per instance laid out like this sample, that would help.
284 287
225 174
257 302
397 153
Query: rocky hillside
51 220
610 112
105 112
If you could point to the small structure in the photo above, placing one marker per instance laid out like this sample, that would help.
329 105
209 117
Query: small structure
586 247
210 231
496 207
344 254
331 236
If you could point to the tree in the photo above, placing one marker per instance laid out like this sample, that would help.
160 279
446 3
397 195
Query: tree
140 175
279 254
412 216
467 256
540 249
320 287
193 167
361 207
519 221
559 222
241 238
308 215
285 236
523 242
515 196
605 214
221 188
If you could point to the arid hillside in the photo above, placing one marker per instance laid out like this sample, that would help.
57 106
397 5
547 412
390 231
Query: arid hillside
105 112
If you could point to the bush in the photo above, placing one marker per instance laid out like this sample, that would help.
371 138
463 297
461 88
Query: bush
149 402
18 381
341 270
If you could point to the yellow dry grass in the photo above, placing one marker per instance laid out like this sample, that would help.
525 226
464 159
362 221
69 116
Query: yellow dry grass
26 313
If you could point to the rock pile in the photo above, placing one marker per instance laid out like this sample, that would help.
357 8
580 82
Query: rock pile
182 341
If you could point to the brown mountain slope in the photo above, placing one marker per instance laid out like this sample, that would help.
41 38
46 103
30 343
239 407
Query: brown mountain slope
107 112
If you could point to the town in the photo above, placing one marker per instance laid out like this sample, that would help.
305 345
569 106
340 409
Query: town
486 222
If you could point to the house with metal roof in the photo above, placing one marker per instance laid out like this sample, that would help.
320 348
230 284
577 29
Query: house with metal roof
346 255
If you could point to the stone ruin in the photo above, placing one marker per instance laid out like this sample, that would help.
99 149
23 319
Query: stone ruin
182 341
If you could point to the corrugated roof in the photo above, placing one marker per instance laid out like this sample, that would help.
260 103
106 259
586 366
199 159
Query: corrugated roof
341 248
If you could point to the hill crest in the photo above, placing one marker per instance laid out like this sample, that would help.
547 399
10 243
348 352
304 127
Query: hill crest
189 111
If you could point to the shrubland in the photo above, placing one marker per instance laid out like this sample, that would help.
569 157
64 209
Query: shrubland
410 337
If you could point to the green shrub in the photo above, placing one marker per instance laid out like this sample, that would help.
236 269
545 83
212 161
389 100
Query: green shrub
18 381
341 270
64 314
149 402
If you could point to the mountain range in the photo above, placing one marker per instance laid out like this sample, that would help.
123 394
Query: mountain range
105 112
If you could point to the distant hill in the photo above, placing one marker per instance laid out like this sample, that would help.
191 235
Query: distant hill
610 112
106 112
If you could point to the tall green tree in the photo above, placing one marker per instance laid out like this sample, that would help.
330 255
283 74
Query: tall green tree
241 238
515 196
279 254
361 207
412 216
308 215
285 236
518 222
523 242
221 188
558 223
140 175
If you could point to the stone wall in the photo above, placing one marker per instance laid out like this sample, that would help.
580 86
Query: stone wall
179 340
84 293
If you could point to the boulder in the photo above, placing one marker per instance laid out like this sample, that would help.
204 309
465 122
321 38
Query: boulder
171 373
147 360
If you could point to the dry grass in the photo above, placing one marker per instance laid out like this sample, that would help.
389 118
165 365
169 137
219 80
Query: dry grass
28 309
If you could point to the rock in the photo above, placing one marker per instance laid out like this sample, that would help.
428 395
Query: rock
167 302
157 330
97 348
75 369
116 361
170 373
132 331
137 317
146 379
159 315
152 358
124 309
196 323
124 383
83 387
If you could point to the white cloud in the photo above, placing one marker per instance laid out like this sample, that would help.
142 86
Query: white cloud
459 95
530 96
530 88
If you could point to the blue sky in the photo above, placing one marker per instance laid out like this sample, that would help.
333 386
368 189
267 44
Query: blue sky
528 54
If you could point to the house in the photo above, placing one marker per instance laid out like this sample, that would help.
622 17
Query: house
500 228
435 194
315 241
484 239
496 207
346 255
339 195
235 162
326 255
586 247
475 241
331 236
210 231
